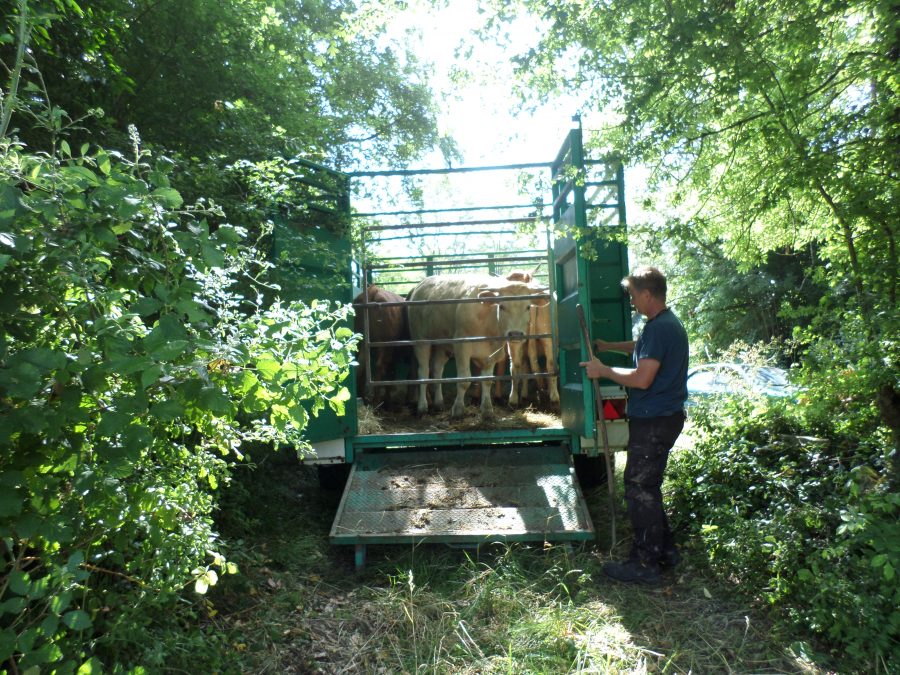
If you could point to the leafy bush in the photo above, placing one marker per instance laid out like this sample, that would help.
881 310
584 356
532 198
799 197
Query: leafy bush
131 372
808 525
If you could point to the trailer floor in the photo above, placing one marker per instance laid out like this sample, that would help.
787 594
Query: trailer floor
398 420
463 497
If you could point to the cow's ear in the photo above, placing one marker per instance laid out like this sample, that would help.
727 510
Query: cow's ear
540 302
488 296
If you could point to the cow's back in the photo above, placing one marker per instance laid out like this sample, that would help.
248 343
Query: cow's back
385 323
432 322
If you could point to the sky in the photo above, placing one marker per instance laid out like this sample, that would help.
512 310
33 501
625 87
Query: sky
480 112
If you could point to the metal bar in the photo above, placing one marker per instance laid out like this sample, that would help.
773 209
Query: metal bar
563 193
450 263
443 234
450 223
471 378
469 169
437 257
457 301
313 165
447 341
453 210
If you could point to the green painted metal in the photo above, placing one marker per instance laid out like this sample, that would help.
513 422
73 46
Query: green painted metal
306 274
462 439
589 264
466 496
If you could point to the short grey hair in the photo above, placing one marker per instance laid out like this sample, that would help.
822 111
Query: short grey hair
647 279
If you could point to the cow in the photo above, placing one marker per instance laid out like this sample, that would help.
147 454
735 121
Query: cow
485 316
386 324
538 324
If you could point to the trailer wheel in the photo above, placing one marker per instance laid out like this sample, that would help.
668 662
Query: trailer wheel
590 471
333 476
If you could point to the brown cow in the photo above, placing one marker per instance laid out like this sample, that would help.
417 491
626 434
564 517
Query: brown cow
386 324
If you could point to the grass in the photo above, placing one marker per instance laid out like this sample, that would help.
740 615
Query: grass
300 607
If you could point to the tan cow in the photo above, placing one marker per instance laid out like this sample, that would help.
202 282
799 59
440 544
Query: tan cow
487 314
538 324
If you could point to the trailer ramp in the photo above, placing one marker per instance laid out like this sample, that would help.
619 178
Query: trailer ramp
465 496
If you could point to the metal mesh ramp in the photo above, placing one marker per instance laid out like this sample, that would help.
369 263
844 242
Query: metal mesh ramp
461 496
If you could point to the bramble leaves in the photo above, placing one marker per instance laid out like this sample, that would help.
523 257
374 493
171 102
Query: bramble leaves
132 369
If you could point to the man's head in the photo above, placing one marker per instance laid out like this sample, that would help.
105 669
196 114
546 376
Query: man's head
646 279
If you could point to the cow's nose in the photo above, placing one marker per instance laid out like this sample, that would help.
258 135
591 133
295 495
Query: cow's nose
515 334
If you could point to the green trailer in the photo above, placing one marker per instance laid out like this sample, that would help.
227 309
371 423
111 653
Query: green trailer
485 483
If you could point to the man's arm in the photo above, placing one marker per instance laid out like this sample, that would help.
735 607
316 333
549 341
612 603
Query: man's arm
636 378
626 347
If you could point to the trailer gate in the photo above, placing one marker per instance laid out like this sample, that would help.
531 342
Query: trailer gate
471 496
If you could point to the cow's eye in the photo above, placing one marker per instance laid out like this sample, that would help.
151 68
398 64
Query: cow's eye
502 308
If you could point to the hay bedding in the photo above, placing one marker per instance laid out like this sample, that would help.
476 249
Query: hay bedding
379 420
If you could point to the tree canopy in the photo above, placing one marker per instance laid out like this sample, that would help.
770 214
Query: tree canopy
769 127
242 78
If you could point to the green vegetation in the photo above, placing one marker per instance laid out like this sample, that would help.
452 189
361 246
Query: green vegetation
148 367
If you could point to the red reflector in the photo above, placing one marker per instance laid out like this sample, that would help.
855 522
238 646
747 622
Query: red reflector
610 412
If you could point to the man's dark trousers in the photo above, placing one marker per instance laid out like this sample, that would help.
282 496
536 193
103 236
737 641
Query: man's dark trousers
650 440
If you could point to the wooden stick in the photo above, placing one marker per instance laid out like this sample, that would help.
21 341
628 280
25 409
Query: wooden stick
600 429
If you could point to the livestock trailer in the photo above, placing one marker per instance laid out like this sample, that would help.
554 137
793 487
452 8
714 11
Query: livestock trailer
430 478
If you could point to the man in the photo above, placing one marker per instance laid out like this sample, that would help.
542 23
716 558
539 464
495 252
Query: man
657 391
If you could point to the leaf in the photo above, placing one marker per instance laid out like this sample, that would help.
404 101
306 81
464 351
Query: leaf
170 197
706 593
60 601
112 423
151 376
205 580
21 381
170 350
11 503
145 306
93 666
103 163
47 359
7 644
888 571
167 411
77 620
167 329
81 176
228 234
212 255
19 582
268 368
213 400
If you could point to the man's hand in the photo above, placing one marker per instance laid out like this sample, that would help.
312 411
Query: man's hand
595 368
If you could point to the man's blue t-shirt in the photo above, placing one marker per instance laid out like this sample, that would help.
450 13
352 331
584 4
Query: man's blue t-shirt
665 340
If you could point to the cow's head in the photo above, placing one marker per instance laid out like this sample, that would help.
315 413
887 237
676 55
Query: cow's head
512 315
